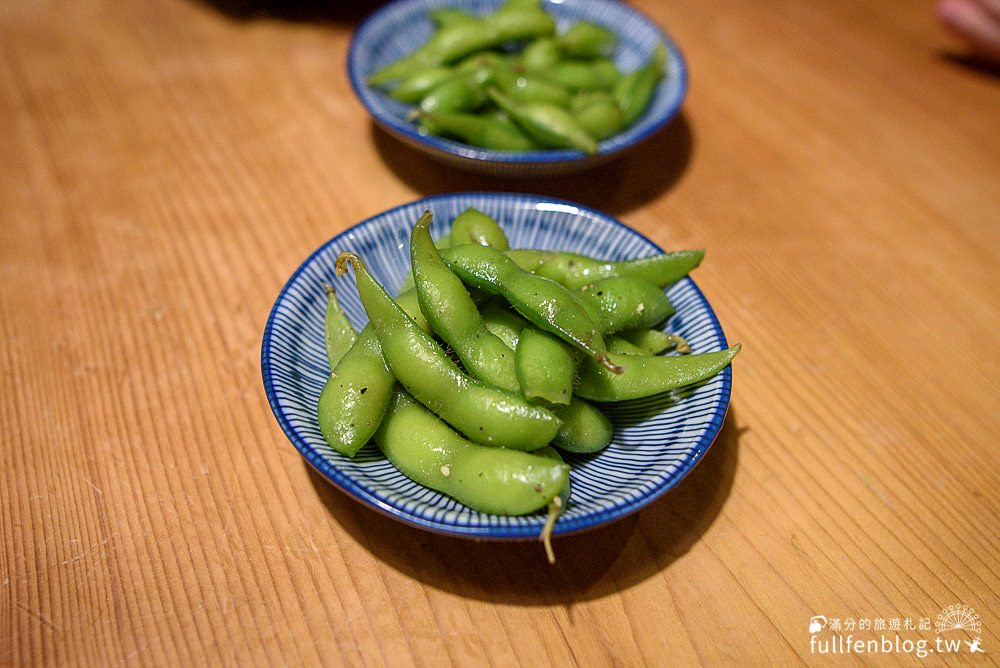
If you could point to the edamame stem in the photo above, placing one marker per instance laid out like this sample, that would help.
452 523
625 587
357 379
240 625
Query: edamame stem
483 413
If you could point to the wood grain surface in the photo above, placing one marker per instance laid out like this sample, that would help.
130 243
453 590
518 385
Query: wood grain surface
164 167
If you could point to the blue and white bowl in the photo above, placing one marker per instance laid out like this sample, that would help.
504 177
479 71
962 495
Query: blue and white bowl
656 440
398 28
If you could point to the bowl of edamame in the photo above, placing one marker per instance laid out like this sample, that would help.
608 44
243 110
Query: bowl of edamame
651 434
517 87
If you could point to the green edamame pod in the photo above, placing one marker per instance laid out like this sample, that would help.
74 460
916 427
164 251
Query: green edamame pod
622 346
503 323
528 89
540 54
472 226
453 315
645 376
338 333
545 303
480 60
529 259
443 17
654 342
483 413
634 92
491 133
356 394
455 41
460 93
547 124
520 5
597 113
584 428
490 480
625 302
576 75
585 39
545 367
520 23
533 90
575 271
420 84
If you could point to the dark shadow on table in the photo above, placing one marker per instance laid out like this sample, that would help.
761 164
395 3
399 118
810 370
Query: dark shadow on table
304 11
972 63
589 565
626 183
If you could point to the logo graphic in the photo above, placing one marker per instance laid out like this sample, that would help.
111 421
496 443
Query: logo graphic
959 618
817 624
974 646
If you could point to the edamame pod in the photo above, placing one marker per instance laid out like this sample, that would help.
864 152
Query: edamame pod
338 334
634 92
545 367
645 376
540 54
490 480
547 124
575 271
472 226
460 93
491 133
654 342
503 323
530 259
455 41
357 392
584 427
453 315
625 302
420 84
545 303
533 90
528 89
597 113
483 413
617 344
585 39
443 17
576 75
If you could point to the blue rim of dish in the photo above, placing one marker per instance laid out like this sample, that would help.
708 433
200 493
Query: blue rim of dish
605 148
573 525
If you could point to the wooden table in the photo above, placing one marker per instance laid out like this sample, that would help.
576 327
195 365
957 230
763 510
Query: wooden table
164 167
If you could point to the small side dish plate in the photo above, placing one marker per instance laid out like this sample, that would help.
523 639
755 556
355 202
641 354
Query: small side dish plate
657 440
397 28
